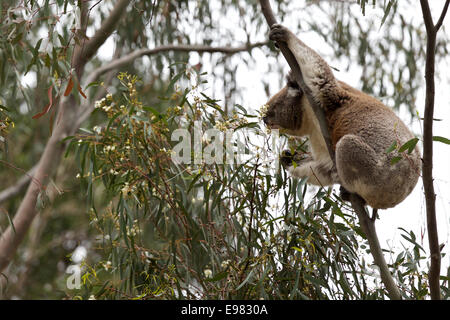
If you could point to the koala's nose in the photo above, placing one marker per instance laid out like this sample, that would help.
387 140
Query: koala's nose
267 116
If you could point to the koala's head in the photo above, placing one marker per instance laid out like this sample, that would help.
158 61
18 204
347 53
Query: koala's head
284 109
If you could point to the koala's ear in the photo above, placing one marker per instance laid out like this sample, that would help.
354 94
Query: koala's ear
291 81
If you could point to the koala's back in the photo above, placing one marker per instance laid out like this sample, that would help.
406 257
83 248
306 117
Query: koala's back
362 130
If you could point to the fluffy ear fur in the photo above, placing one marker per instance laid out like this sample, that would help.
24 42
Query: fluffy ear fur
362 129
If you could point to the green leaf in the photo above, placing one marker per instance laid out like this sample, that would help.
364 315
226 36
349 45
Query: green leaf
409 145
153 110
93 84
86 131
392 147
36 47
194 181
363 7
238 106
246 279
10 222
218 276
316 281
248 125
216 107
102 289
35 56
394 160
173 81
441 139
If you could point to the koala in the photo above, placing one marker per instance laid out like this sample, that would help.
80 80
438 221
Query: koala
362 129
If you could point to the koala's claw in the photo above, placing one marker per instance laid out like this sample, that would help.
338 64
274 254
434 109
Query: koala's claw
278 33
286 158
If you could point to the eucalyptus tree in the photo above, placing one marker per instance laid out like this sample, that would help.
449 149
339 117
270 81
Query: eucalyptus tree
91 95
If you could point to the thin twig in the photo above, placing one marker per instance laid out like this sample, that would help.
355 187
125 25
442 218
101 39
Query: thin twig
441 18
18 187
87 50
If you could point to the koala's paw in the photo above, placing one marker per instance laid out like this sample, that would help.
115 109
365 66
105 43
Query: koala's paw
346 196
287 159
278 33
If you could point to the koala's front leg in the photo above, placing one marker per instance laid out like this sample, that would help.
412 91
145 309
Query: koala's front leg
287 159
319 172
316 72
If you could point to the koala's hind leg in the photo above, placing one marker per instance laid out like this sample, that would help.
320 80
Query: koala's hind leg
316 72
360 168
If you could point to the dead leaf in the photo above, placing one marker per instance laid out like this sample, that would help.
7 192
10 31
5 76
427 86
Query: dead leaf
69 87
47 108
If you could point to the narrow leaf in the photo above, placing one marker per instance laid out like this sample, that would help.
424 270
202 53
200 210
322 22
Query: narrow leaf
386 12
441 139
409 145
394 160
246 279
81 91
11 223
392 147
48 107
218 276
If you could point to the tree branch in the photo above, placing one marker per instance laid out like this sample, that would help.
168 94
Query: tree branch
11 238
86 51
180 48
427 18
368 227
357 202
427 163
129 58
17 188
441 18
